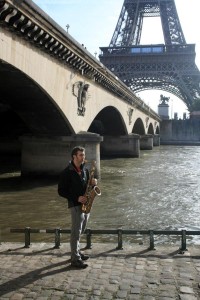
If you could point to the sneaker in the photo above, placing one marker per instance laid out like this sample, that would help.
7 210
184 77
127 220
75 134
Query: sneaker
84 256
79 264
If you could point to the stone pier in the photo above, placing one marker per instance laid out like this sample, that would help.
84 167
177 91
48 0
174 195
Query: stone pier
156 140
48 156
121 146
146 142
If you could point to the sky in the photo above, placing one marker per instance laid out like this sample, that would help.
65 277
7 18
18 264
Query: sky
92 23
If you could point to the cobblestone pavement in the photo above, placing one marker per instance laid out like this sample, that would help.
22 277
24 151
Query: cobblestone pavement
42 272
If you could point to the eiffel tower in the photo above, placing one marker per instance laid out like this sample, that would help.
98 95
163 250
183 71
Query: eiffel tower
170 66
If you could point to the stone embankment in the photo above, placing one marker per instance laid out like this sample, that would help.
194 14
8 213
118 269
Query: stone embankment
43 273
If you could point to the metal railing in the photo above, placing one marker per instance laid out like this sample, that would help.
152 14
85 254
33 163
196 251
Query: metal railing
119 232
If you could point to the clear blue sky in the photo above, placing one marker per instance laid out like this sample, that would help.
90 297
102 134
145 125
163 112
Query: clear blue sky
92 23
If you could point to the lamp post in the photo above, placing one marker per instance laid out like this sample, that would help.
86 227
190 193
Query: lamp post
67 26
171 108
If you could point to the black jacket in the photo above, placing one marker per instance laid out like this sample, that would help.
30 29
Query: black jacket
71 185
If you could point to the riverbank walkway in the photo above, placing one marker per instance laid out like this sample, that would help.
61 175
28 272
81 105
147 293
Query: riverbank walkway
43 273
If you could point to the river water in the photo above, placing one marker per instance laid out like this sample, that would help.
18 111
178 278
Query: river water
158 191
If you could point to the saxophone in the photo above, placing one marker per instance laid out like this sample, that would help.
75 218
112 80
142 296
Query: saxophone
91 191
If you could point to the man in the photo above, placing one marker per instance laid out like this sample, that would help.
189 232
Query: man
72 186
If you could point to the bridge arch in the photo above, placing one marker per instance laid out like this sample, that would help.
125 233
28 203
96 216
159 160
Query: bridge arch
138 127
157 131
22 96
150 129
109 121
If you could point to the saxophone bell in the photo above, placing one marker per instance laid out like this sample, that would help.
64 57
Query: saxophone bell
97 190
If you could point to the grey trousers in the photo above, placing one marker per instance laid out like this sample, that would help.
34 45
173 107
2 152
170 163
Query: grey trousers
78 225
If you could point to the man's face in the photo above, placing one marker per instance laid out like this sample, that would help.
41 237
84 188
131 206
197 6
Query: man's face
79 158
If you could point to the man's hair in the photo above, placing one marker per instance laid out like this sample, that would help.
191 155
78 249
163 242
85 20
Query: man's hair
76 149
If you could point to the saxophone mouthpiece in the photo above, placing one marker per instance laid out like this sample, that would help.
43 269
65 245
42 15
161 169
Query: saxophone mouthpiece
89 161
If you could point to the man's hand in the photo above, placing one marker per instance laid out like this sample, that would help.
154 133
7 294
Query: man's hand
94 181
82 199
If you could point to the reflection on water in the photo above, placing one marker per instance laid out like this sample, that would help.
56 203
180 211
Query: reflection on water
159 190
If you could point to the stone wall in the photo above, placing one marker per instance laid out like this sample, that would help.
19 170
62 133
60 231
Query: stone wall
180 131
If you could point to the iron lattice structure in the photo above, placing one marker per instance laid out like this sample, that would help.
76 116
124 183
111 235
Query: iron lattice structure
170 66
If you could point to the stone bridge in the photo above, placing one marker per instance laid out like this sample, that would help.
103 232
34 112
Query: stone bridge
63 96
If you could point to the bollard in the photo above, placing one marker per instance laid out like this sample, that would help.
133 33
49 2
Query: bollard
183 242
88 238
151 247
57 238
27 237
120 242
